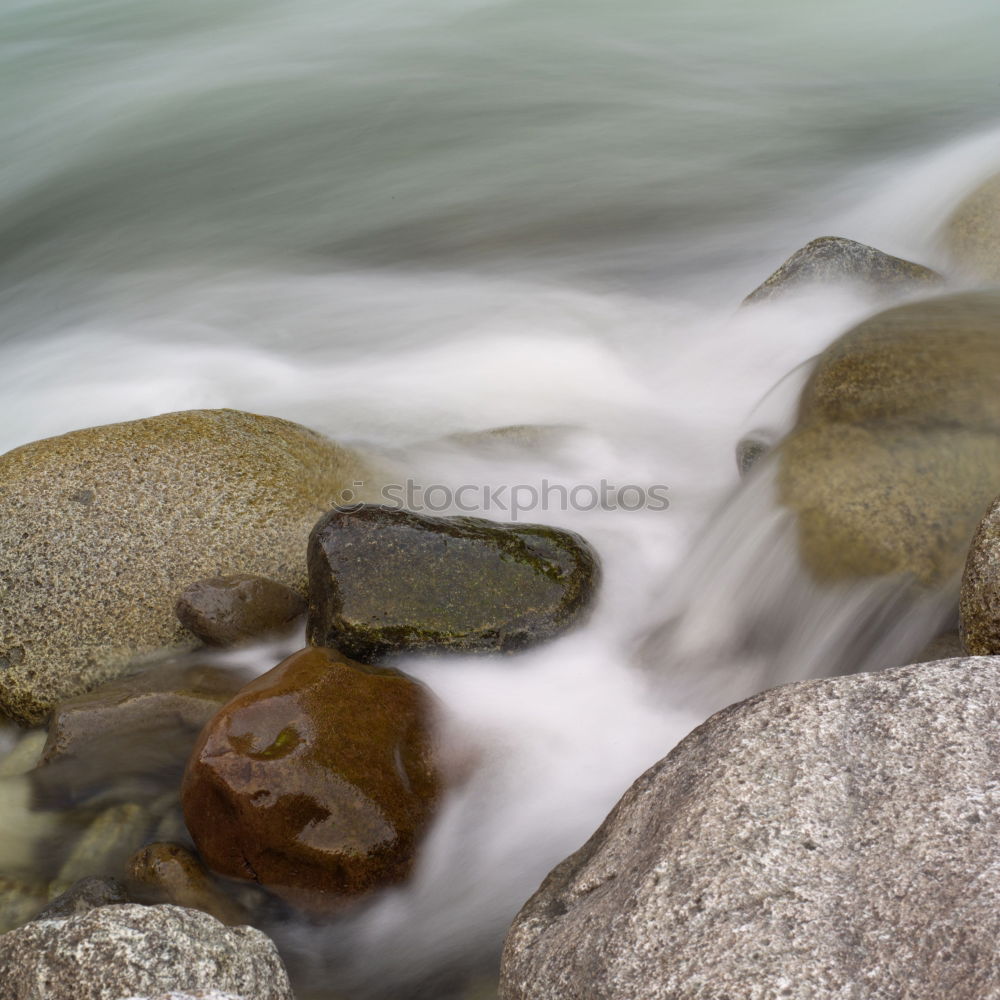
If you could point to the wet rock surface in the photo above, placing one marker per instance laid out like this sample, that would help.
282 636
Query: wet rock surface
135 716
87 894
972 233
833 260
228 610
317 781
896 452
123 951
100 529
169 873
824 839
384 581
979 599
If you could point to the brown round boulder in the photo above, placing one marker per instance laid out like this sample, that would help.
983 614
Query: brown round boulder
318 780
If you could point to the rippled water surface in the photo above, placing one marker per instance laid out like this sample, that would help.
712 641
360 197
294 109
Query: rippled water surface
394 222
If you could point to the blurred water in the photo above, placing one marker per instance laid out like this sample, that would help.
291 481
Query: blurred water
393 222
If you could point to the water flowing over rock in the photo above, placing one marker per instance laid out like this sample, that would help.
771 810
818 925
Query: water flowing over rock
830 838
896 452
383 581
972 233
101 529
317 781
833 260
120 951
225 611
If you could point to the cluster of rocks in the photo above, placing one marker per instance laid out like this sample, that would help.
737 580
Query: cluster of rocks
127 554
833 838
128 551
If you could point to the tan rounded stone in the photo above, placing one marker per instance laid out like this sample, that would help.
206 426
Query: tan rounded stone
101 529
972 233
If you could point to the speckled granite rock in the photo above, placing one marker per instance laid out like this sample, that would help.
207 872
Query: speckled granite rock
101 529
979 599
972 233
384 581
896 451
834 260
832 838
120 951
228 610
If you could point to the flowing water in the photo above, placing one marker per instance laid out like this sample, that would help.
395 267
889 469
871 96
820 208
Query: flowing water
396 222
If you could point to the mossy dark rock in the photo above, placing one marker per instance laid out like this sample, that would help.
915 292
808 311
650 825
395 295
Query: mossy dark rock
385 581
972 233
317 781
833 260
228 610
101 529
979 601
896 452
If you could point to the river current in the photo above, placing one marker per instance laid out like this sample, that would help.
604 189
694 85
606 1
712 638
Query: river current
396 223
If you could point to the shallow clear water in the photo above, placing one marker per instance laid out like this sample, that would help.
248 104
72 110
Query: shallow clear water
396 222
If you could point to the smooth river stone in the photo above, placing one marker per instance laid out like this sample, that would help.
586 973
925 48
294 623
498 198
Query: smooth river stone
317 781
101 529
384 581
228 610
896 452
972 233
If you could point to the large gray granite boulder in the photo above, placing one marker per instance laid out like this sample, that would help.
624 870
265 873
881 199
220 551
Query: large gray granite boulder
131 950
101 529
835 839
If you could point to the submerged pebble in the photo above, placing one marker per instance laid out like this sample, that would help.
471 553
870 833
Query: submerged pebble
228 610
